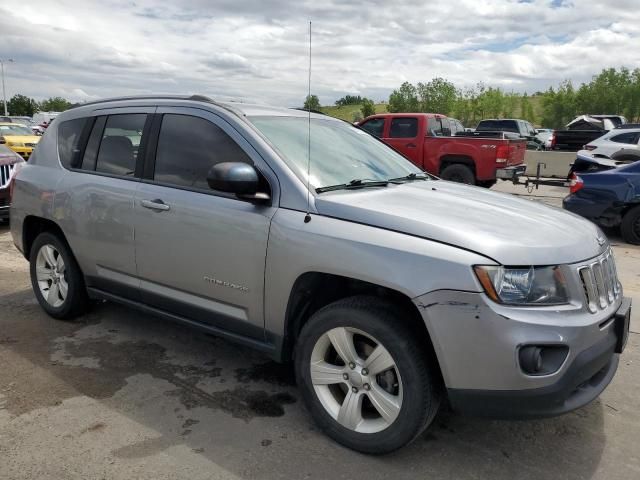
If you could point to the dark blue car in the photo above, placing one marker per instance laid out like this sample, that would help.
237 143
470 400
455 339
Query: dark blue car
609 198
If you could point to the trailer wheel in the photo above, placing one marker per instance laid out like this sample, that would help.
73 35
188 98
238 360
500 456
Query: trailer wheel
458 172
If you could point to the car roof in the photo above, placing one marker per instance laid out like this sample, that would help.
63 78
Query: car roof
239 108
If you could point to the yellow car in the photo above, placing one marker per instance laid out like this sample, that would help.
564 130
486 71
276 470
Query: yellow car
18 138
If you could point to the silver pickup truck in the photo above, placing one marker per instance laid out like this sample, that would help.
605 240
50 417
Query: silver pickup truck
391 290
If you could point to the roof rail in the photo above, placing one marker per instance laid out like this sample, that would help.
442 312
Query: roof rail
195 98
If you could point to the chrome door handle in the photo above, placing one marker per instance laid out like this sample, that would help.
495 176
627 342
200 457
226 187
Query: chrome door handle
156 204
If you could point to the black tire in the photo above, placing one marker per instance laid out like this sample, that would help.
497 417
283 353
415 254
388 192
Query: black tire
420 384
76 301
458 172
487 183
630 226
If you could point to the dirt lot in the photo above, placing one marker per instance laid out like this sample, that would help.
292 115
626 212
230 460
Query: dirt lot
122 395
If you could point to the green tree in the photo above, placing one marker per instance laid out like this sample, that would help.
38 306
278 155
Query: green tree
368 107
509 105
559 106
55 104
21 105
405 99
437 96
312 103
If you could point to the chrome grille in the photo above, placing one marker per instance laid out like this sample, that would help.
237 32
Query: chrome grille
600 282
5 174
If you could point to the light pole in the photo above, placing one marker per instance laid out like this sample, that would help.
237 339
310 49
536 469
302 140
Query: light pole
4 93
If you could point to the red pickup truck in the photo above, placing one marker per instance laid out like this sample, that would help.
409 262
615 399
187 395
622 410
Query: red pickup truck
429 141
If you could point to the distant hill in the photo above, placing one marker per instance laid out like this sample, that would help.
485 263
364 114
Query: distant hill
348 112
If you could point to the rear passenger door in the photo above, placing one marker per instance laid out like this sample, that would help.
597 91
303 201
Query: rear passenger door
95 199
200 253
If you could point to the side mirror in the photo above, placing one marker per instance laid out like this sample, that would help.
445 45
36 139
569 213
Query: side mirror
238 178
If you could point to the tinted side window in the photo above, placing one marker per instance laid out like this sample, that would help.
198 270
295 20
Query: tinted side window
628 137
375 126
434 126
69 133
187 149
446 127
119 145
404 128
91 152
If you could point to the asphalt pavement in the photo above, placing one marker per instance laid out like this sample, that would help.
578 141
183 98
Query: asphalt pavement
122 395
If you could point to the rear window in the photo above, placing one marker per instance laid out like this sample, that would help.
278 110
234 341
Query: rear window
69 133
404 128
499 125
629 137
374 126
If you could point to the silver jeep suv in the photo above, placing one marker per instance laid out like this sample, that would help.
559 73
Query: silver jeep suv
391 290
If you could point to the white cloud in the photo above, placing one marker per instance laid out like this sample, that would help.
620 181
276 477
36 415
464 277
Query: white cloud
258 49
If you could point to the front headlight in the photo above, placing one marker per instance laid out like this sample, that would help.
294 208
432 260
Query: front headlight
523 285
15 144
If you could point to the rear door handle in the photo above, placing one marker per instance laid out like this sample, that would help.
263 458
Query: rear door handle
156 204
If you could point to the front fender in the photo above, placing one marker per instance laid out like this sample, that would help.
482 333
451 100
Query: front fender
404 263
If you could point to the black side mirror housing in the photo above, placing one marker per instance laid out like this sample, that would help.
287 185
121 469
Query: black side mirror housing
238 178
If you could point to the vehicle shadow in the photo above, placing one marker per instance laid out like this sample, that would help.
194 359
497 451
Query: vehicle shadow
240 411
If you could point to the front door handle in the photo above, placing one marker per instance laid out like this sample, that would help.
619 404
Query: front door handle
410 145
156 204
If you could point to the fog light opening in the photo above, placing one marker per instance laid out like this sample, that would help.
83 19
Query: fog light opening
542 359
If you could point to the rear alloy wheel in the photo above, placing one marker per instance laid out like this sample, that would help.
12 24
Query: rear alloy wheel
365 377
630 226
56 278
458 172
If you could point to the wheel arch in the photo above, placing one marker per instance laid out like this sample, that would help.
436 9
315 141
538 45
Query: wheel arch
314 290
447 160
32 226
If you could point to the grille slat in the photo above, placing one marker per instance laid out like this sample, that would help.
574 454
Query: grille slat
5 174
600 282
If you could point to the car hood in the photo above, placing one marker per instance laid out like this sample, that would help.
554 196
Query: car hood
503 227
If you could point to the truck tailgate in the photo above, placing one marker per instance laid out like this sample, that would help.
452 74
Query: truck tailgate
517 149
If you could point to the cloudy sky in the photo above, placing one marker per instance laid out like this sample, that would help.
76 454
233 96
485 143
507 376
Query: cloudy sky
257 50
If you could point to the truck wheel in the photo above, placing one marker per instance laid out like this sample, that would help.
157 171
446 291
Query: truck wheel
365 377
56 278
458 172
630 226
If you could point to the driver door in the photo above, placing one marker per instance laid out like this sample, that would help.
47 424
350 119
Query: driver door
200 253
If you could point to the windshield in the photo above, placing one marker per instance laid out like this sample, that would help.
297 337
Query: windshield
340 152
15 130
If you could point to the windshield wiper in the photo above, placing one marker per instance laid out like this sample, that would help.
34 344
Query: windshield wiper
411 177
356 183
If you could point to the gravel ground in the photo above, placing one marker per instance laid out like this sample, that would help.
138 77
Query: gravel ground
122 395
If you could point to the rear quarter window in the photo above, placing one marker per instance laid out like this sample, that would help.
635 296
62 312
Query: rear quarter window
69 134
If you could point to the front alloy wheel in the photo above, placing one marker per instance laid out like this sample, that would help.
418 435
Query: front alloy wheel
356 380
367 373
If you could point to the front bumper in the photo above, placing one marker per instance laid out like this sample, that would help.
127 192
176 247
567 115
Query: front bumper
477 344
4 203
511 173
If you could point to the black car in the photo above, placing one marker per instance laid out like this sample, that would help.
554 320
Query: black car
609 198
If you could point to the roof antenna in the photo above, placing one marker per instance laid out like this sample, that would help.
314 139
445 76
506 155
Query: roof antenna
307 217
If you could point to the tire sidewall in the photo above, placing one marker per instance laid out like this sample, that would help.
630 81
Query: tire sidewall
626 228
75 294
384 328
461 170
